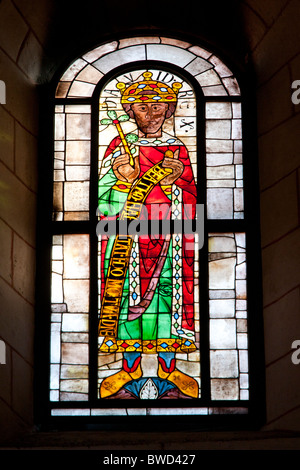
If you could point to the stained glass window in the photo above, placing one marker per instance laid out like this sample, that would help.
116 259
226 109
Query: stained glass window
158 317
148 317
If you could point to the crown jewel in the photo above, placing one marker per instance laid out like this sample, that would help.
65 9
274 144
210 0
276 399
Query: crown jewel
148 90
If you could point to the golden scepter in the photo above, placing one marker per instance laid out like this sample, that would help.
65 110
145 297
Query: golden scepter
128 139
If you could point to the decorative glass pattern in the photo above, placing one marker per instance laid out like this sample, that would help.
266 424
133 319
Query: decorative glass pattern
155 321
69 353
157 355
224 160
228 316
72 143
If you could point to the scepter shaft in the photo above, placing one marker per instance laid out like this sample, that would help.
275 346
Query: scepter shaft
124 142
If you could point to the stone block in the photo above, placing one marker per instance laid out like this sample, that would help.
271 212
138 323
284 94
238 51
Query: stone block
16 321
13 29
24 268
37 14
6 138
22 387
279 152
290 421
281 326
31 58
26 157
21 94
280 265
274 104
280 44
254 26
268 11
5 377
279 209
17 205
11 425
283 383
5 252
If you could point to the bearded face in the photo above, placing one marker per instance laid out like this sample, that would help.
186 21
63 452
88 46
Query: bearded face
150 116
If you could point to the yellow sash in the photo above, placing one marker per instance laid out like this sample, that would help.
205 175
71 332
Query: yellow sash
119 260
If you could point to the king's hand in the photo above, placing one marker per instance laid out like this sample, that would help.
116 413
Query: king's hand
176 165
122 168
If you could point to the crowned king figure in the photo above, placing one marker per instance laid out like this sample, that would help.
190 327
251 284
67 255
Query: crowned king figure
153 313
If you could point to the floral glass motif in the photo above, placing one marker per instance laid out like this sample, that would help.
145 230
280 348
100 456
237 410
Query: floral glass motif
159 358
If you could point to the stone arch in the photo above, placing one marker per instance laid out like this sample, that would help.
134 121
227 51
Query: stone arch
83 74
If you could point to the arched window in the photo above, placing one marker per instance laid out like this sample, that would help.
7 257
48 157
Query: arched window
150 304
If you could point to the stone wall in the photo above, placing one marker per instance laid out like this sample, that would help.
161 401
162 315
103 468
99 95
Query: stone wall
18 189
35 35
274 40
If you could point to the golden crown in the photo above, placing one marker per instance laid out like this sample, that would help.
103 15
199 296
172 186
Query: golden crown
149 91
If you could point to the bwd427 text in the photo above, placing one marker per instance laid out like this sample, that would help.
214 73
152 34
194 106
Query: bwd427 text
151 459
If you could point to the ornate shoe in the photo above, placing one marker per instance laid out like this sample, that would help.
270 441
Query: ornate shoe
115 382
186 384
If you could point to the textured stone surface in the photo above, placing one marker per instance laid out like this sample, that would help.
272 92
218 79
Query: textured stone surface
27 31
279 152
281 262
279 209
282 326
13 29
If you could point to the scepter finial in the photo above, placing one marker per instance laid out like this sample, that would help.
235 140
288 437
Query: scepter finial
129 138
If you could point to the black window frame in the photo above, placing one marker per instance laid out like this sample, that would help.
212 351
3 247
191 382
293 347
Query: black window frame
250 225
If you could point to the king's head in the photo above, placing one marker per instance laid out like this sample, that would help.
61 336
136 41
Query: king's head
148 91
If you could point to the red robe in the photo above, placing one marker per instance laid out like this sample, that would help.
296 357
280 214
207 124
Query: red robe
150 246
